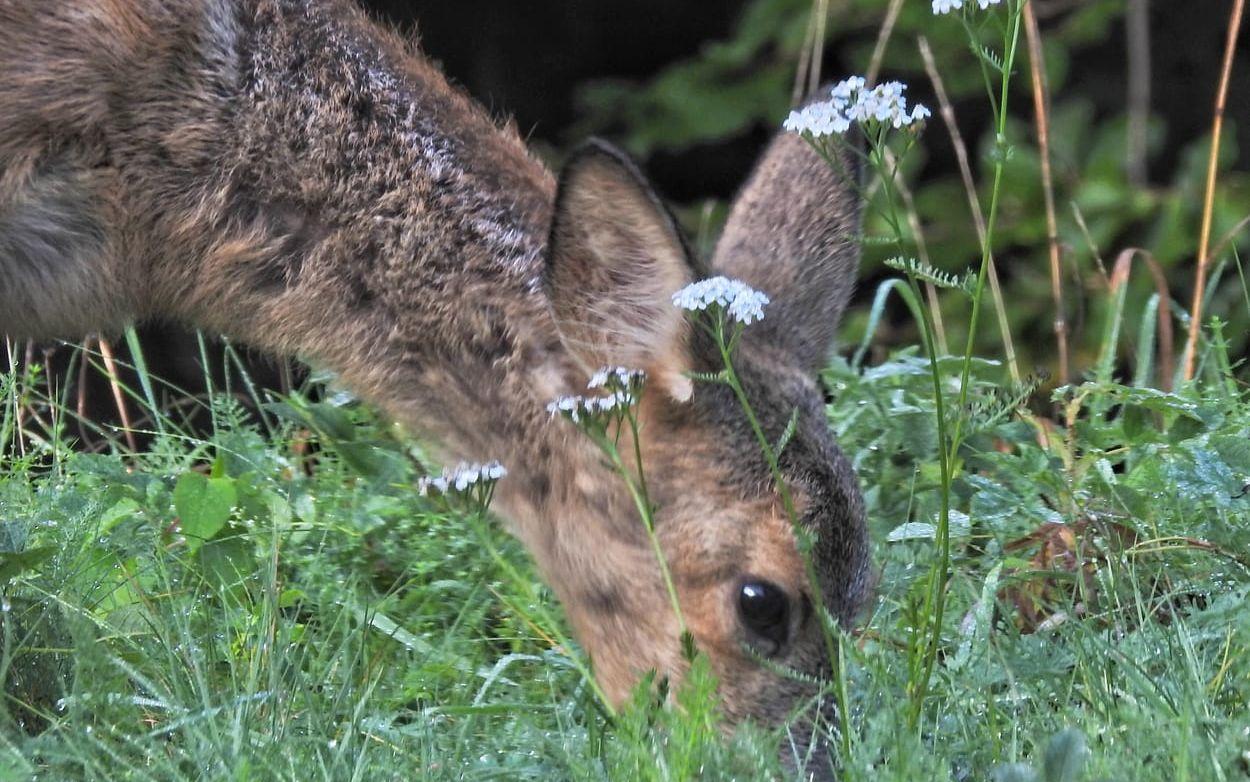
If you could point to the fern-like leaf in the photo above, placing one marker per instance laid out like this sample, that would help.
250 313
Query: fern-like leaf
967 282
787 435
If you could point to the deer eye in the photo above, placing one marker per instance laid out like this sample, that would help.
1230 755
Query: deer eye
765 610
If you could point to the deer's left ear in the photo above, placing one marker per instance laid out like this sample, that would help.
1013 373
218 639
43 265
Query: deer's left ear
615 259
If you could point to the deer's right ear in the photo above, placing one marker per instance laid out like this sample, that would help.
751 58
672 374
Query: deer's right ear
615 259
792 233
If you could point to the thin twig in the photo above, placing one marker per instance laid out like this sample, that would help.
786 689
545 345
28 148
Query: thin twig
106 352
974 204
1137 23
1208 205
818 49
883 40
21 410
80 407
805 53
1229 236
15 421
55 411
1041 114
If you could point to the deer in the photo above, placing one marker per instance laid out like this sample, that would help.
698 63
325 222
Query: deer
296 176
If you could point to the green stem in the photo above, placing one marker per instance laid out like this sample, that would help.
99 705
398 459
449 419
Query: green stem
939 576
983 272
637 491
832 647
887 181
985 73
891 213
935 595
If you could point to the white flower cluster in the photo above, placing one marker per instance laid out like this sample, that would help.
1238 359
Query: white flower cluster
743 303
850 102
618 379
946 6
589 408
460 480
623 385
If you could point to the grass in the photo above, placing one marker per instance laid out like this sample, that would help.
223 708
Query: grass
333 626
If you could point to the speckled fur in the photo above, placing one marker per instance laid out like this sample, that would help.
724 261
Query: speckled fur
290 174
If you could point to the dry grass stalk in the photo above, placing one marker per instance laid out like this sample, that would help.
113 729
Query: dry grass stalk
818 48
1119 276
1041 113
807 75
110 365
22 411
1229 236
974 204
12 367
1137 22
1208 204
805 56
84 365
883 40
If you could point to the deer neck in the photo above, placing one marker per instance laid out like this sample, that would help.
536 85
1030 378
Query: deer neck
369 217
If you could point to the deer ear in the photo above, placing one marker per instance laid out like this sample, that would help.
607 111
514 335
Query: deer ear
792 234
615 258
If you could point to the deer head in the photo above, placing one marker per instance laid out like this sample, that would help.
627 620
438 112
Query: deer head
615 259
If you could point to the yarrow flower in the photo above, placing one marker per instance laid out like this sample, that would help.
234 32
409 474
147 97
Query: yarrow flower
462 479
819 119
624 387
946 6
579 409
850 103
618 379
743 303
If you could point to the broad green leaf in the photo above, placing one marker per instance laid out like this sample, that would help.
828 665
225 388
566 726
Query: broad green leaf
204 505
1065 756
14 563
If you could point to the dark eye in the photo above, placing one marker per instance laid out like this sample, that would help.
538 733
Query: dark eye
765 610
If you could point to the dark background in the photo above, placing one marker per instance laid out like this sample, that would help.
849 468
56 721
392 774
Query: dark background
528 60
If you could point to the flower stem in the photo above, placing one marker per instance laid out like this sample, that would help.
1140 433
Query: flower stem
638 491
991 220
802 540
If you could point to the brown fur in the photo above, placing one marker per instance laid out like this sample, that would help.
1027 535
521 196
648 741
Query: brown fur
287 173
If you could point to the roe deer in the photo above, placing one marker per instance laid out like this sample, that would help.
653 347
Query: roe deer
291 175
